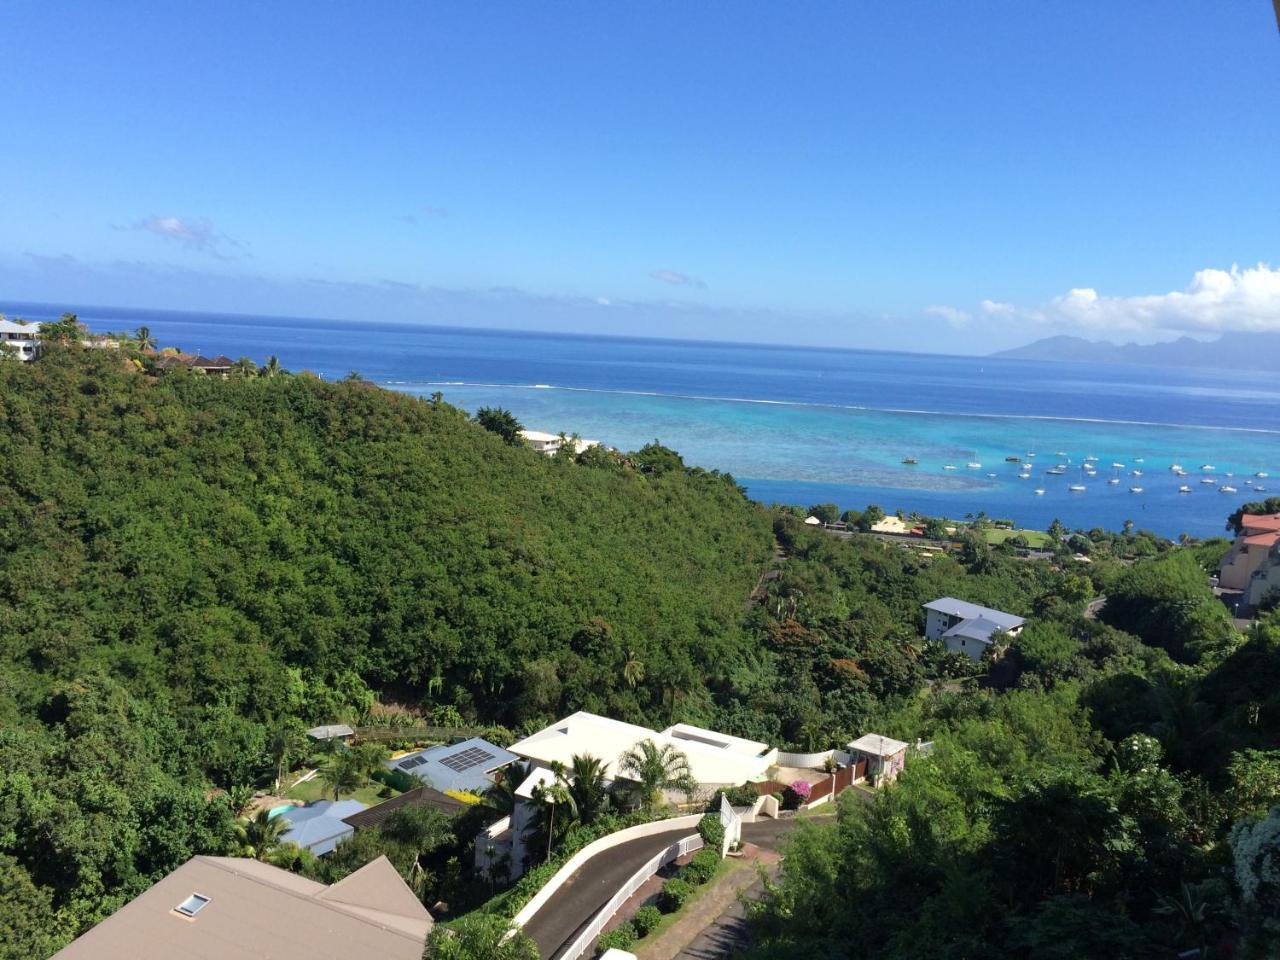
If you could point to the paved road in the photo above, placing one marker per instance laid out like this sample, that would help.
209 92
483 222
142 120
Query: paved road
590 888
599 878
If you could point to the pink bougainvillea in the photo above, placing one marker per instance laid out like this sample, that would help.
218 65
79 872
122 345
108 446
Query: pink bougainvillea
802 789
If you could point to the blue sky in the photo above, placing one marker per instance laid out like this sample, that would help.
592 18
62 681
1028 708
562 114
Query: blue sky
926 176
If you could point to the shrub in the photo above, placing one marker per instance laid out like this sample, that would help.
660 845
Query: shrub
743 796
711 830
674 894
702 867
796 794
645 920
619 939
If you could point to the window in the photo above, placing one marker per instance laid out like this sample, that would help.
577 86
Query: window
192 905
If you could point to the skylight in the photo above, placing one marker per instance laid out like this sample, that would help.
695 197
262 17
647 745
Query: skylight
192 905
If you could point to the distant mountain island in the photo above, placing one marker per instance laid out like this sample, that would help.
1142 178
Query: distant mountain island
1231 351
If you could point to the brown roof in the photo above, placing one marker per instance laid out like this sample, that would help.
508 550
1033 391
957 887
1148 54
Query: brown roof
255 910
1263 539
418 796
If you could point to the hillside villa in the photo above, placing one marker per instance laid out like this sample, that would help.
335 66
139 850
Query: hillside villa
1250 566
550 443
228 907
21 340
967 628
715 759
470 766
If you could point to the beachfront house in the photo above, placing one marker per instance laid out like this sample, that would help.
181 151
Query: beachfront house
967 628
550 443
716 760
20 340
879 759
1250 552
236 907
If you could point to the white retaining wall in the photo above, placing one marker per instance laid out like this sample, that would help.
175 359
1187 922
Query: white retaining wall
588 936
812 761
598 846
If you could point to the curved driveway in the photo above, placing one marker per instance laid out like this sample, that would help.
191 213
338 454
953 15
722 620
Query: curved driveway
592 884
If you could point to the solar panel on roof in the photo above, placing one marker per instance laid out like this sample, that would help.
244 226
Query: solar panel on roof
412 762
466 759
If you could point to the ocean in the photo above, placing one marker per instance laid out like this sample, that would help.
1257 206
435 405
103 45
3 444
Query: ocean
809 425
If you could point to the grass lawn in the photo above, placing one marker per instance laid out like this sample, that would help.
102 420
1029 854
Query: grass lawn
369 794
1037 538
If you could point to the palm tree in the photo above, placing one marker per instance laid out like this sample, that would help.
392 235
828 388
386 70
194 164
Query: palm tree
632 669
501 797
143 338
284 743
656 769
244 367
551 795
271 368
584 780
342 774
261 835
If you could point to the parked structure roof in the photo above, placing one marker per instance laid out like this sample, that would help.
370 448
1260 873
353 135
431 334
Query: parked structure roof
468 765
319 826
981 629
714 758
417 797
252 910
968 611
873 744
329 731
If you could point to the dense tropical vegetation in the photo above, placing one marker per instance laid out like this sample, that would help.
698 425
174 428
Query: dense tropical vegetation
194 569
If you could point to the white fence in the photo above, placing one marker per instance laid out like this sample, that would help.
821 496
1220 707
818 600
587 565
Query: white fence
582 943
590 850
812 761
732 824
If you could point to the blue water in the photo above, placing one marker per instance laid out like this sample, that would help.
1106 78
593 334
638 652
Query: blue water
803 425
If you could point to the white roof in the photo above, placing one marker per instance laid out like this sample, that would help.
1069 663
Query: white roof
537 436
723 760
9 326
890 525
877 746
539 778
812 521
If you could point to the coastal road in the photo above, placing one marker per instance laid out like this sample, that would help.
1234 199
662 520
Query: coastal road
592 884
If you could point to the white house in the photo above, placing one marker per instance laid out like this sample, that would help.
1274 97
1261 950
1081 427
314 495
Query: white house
550 443
967 628
715 760
20 339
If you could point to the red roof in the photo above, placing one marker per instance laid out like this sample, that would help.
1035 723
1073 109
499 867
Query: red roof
1260 522
1263 539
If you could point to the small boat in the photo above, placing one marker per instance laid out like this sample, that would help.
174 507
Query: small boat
1207 466
910 461
1012 459
1209 480
1118 466
991 475
1178 471
1031 454
974 466
1184 489
1175 467
1139 460
1059 453
1114 481
1090 458
1261 474
1024 476
1135 489
1039 491
1056 471
949 466
1137 473
1259 488
1076 488
1226 489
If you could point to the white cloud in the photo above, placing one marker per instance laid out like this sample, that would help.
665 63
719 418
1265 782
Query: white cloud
676 278
1214 301
192 233
953 315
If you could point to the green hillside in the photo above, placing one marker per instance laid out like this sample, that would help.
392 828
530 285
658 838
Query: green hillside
186 563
